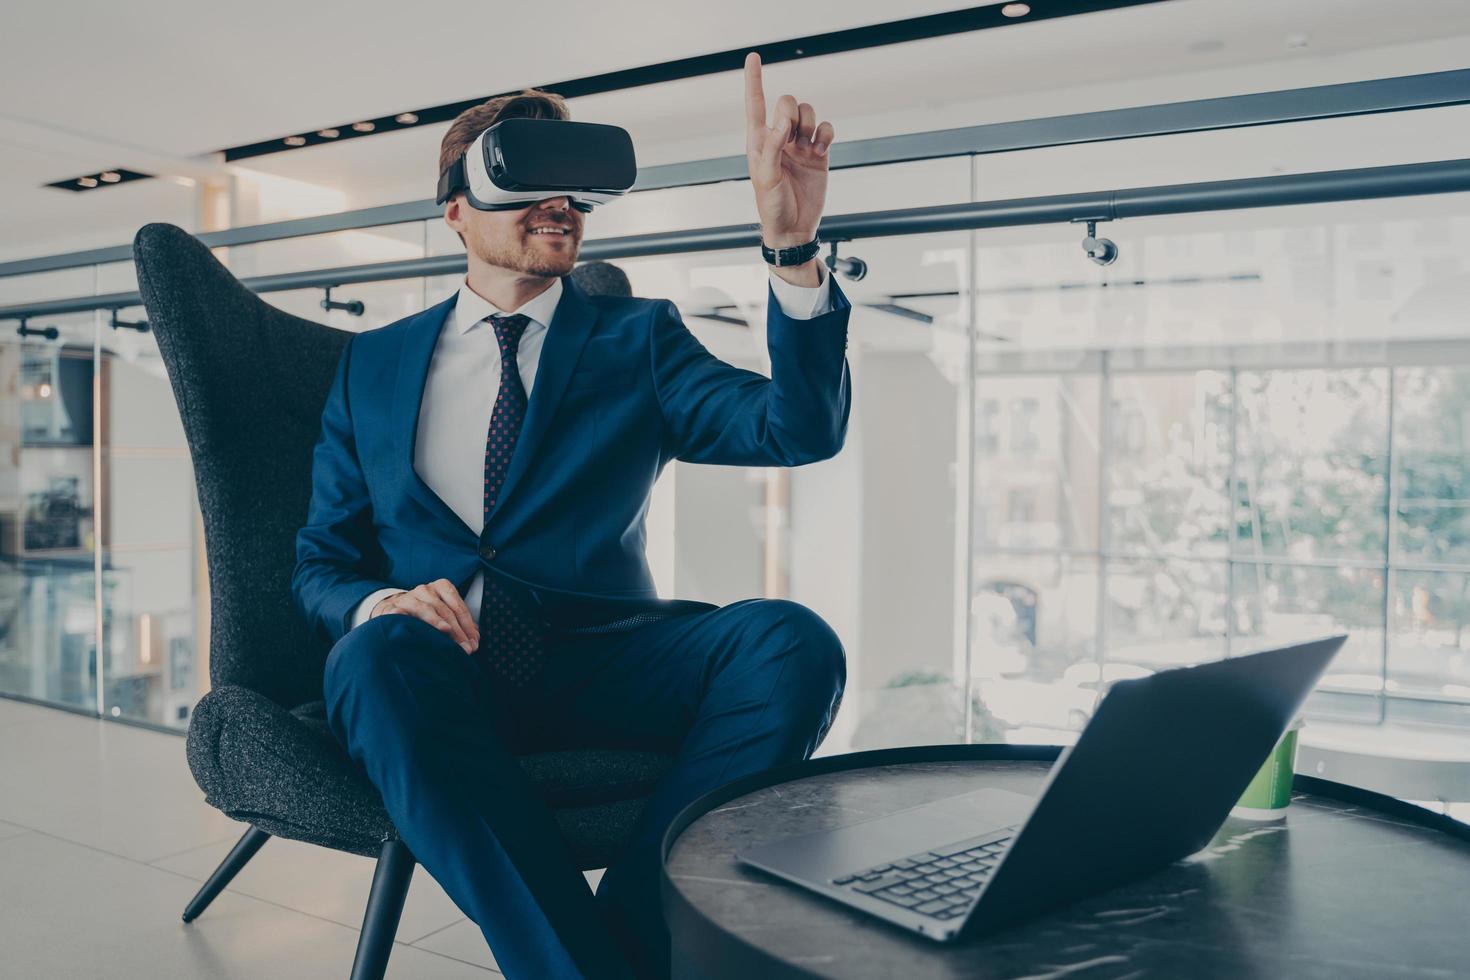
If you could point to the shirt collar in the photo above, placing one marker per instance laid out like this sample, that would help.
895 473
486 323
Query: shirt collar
470 308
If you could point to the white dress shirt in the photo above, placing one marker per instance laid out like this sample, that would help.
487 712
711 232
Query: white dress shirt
460 392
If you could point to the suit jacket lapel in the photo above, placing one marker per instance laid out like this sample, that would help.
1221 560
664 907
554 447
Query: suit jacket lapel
408 394
570 326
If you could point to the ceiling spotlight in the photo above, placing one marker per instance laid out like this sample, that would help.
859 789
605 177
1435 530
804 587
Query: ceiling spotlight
364 127
1015 10
295 141
329 134
406 118
94 181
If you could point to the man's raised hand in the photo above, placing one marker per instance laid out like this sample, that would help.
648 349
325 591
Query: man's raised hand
788 162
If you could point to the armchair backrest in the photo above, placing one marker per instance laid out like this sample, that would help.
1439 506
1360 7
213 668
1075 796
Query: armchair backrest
250 382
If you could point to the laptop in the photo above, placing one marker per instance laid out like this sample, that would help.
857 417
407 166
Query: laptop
1148 781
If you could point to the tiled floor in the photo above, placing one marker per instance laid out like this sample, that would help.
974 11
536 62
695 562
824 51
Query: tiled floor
104 837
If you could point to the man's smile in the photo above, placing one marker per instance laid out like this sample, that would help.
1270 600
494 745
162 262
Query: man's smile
551 229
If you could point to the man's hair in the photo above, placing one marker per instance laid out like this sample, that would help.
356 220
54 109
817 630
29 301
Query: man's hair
528 103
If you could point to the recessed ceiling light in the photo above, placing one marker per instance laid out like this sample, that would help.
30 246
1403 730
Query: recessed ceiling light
329 134
364 127
1015 10
89 182
1297 41
406 118
295 141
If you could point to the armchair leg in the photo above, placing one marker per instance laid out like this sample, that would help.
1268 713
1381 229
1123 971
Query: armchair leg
242 852
385 905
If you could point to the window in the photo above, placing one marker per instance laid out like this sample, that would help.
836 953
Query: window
1024 441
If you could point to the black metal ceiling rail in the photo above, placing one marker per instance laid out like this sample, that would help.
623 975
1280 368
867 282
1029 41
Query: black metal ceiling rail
1410 179
1372 97
988 16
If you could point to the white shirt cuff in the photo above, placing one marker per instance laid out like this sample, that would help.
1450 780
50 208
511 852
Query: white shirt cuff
365 607
803 302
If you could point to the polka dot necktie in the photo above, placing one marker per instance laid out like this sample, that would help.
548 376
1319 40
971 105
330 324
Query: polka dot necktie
511 642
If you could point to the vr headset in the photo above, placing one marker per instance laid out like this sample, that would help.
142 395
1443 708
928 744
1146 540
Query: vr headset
521 161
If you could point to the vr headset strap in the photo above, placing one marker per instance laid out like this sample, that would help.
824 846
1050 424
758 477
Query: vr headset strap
454 179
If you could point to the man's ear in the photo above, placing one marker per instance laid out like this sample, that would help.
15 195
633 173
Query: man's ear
453 215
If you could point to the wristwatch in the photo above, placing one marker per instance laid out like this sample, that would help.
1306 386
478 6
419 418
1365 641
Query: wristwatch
794 255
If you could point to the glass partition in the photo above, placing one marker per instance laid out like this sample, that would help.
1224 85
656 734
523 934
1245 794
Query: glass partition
48 508
1271 404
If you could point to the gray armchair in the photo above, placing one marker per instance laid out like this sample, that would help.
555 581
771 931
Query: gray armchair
250 382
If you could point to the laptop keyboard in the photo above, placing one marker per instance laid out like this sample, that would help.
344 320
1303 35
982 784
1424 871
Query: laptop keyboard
941 882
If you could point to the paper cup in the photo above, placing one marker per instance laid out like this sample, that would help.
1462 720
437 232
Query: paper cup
1269 793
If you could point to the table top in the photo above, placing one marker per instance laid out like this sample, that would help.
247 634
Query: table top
1351 884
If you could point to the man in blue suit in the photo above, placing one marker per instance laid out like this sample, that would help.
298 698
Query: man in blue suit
474 549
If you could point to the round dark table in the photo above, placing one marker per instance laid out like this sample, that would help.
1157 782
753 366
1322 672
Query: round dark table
1351 884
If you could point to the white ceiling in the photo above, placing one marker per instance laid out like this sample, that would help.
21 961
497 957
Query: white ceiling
158 85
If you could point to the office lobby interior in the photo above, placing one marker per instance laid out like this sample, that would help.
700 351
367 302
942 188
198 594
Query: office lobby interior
1156 357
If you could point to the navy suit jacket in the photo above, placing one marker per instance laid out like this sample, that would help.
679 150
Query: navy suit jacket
622 387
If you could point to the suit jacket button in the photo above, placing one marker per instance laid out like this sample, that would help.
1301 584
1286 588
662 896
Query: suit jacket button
487 552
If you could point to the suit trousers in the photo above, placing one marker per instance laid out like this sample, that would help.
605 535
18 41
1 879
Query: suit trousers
727 692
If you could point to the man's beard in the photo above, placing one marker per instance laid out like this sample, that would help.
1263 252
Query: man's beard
528 258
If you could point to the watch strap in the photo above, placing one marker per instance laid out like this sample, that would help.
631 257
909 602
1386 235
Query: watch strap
793 255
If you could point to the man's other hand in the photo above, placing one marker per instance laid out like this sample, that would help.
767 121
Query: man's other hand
439 604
